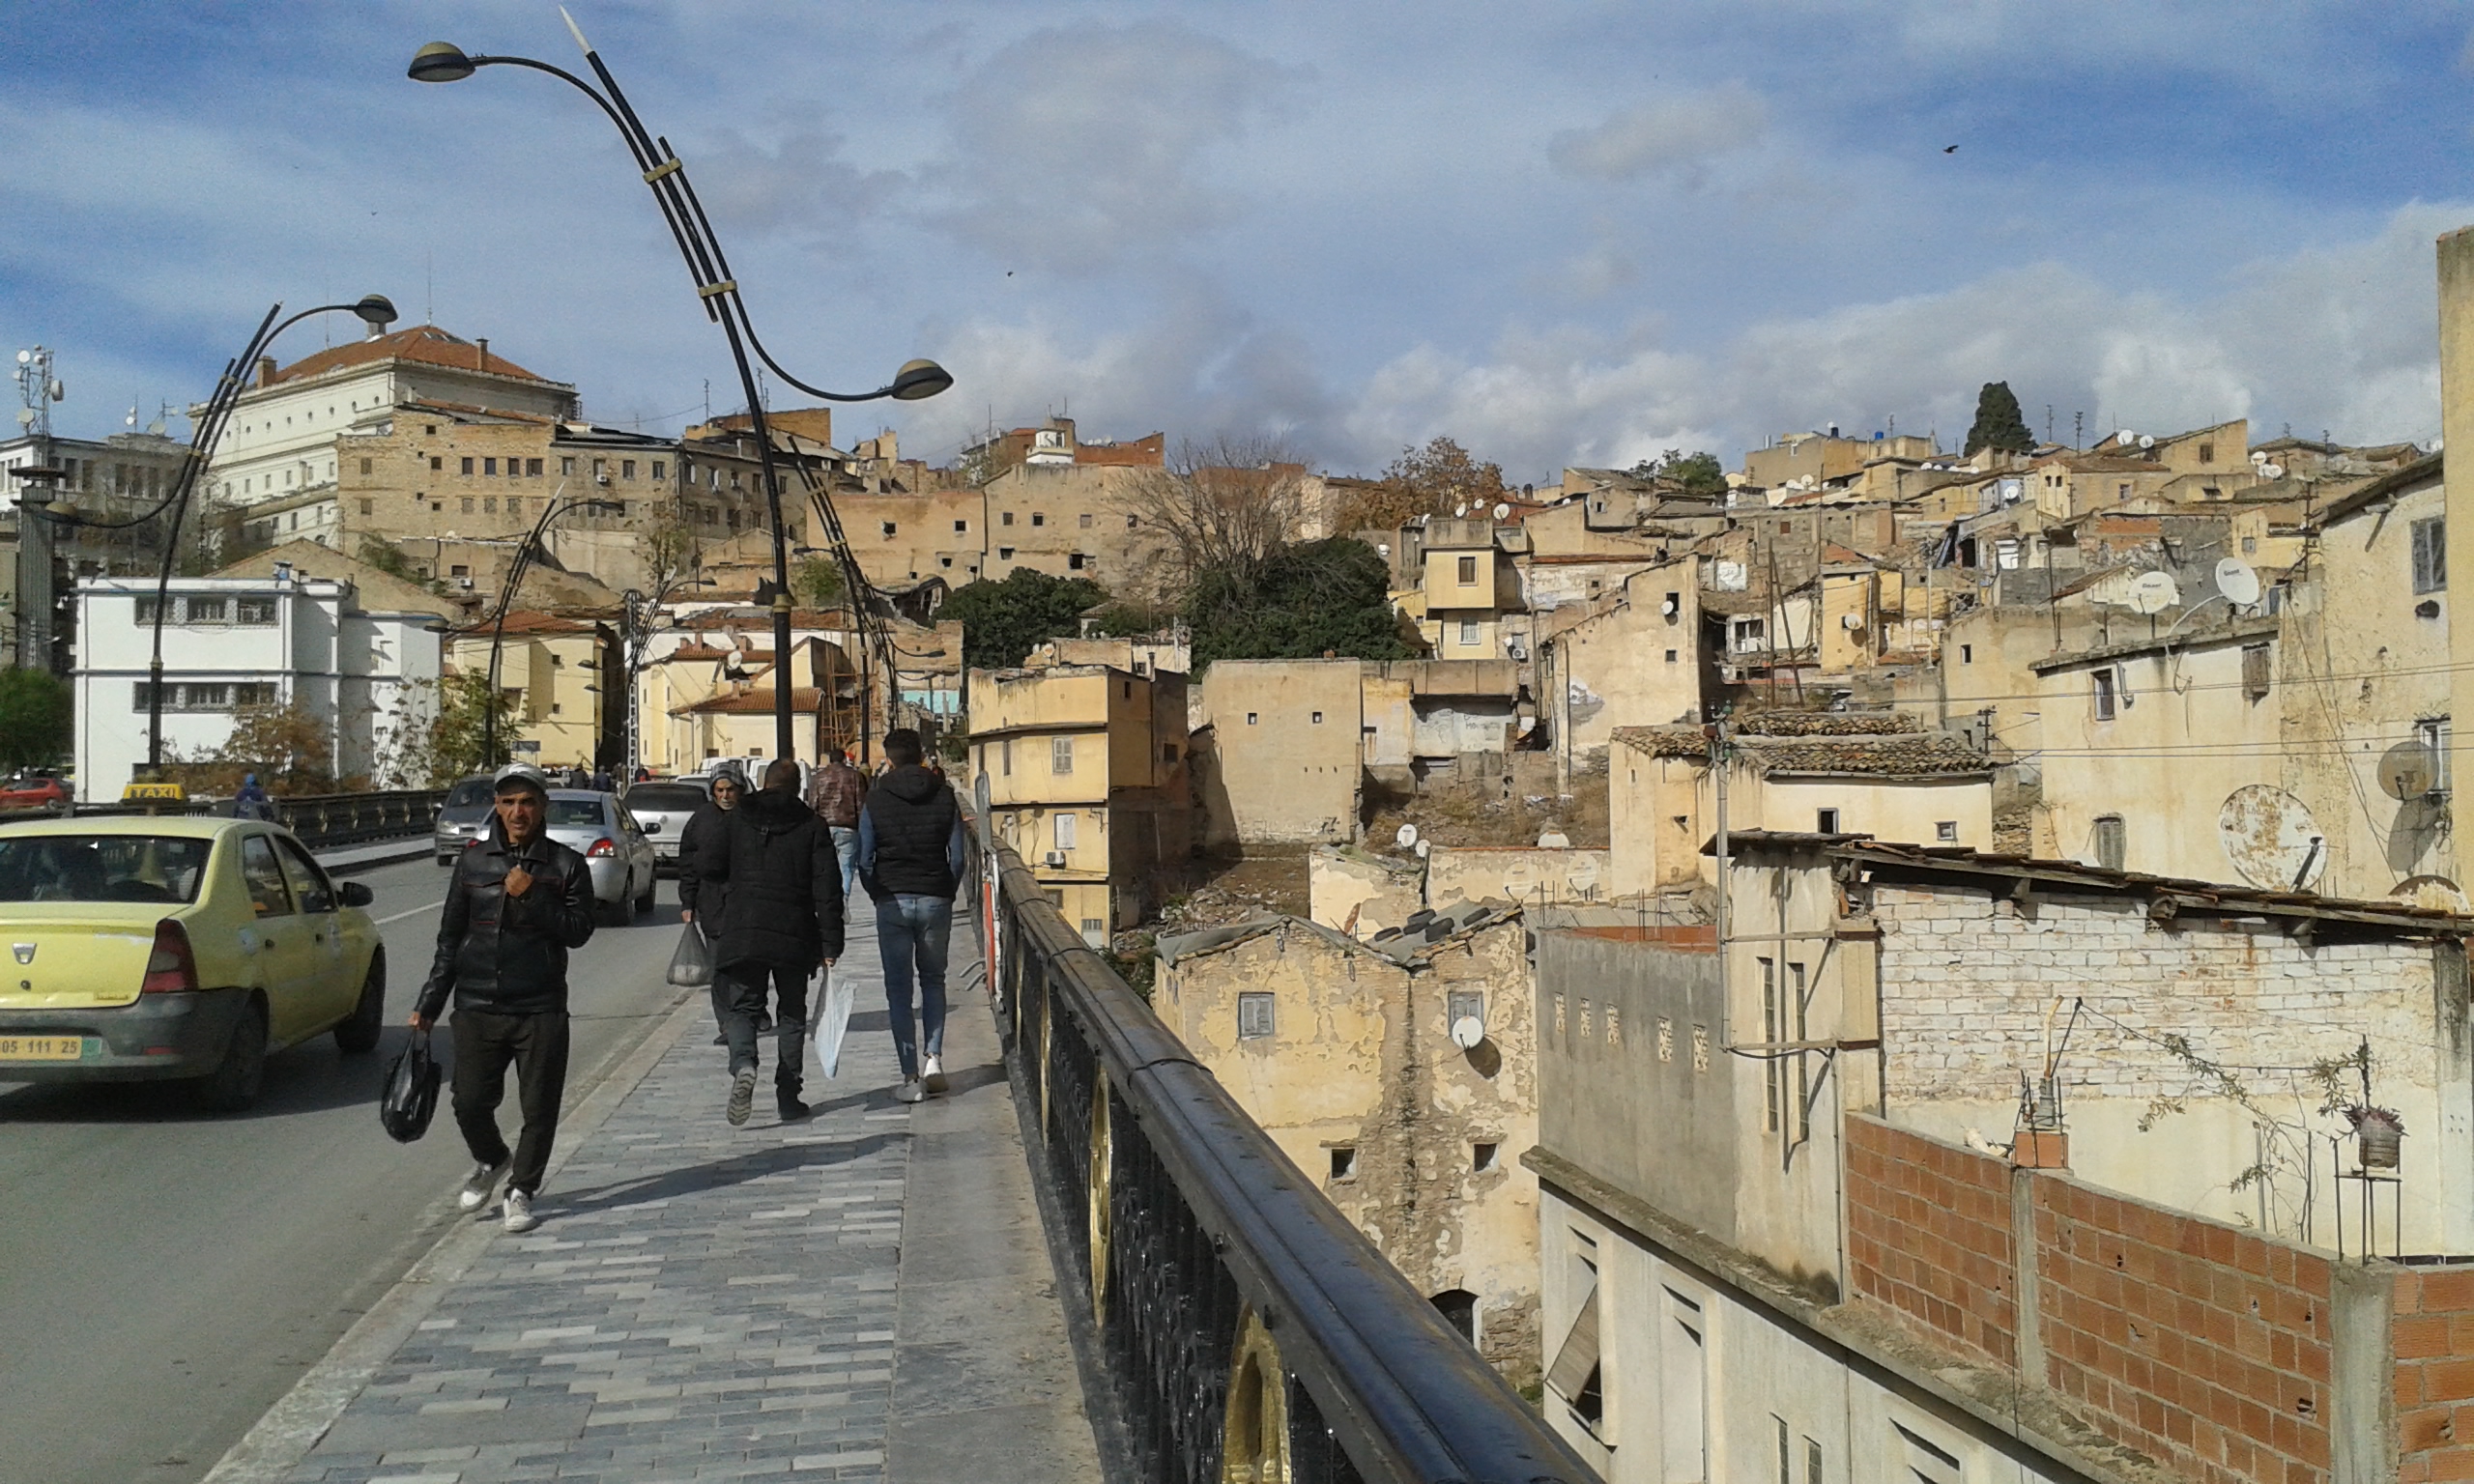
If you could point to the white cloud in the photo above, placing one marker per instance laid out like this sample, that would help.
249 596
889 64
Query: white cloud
1669 137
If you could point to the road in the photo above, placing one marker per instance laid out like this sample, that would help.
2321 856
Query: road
165 1276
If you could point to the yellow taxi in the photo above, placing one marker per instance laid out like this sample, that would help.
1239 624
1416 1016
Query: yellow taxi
144 948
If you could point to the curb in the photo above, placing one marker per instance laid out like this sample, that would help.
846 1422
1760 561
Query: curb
274 1447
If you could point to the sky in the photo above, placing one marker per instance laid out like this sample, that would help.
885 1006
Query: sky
1562 234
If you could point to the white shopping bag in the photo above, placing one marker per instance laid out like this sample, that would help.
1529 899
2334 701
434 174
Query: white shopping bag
832 1014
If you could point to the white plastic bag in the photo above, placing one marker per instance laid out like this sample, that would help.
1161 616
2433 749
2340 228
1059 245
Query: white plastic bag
832 1019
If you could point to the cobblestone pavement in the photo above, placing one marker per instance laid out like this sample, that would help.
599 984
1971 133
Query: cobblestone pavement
708 1302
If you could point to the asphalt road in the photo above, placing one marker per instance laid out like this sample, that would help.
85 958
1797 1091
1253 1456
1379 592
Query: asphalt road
165 1276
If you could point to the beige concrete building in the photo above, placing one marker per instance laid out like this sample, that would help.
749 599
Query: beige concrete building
1358 893
1635 660
1345 1053
552 668
1821 457
2456 425
1088 778
1469 587
1278 753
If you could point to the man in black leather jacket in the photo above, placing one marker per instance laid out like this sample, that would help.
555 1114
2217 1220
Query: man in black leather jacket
517 902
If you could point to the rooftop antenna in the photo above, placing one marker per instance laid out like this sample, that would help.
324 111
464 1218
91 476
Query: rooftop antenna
429 285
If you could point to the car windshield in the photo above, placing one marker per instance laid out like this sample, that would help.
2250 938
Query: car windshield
659 798
101 867
575 813
469 792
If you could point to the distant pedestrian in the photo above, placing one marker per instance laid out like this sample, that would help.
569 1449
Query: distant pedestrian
836 794
517 903
783 921
253 802
910 861
706 830
603 783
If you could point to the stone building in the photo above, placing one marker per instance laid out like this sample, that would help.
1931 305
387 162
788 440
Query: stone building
1278 758
1344 1052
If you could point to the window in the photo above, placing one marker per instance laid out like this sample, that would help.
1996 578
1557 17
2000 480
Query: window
467 467
309 885
1085 520
626 468
1063 827
1074 563
1459 1309
1318 718
2207 453
532 469
515 504
2110 845
1250 718
489 466
2103 681
1038 519
366 466
1468 631
661 469
467 504
2431 554
1927 1461
1967 654
435 462
962 526
1574 1376
1007 518
1483 1156
1747 635
1004 554
207 610
1826 821
1946 831
430 429
1006 752
1167 752
1254 1017
601 467
255 612
1773 1092
2249 546
1468 571
1799 1011
458 569
489 504
1343 1162
1785 1449
567 465
1464 1005
365 508
268 893
2436 738
1670 656
888 529
2254 671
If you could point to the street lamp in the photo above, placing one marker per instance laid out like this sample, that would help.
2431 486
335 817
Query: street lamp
709 269
515 571
374 309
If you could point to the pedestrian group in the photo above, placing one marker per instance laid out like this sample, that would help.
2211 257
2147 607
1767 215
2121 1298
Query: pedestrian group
763 876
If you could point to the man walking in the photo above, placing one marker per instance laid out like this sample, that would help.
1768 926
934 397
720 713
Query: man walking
517 902
910 861
837 795
704 831
784 918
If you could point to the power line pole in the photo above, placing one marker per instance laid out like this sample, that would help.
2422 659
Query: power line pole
38 390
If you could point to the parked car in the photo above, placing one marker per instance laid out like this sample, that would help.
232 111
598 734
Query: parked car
614 847
177 947
35 790
463 818
663 807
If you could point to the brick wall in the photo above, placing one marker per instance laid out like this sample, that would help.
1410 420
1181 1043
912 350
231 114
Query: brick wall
2434 1342
2194 1342
1928 1233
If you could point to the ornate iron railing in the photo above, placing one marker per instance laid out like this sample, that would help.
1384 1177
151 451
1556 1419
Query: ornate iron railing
1248 1331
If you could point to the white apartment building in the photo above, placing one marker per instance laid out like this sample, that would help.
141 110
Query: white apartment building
280 442
230 643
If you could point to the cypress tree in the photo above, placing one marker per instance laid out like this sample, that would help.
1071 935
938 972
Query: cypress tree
1998 423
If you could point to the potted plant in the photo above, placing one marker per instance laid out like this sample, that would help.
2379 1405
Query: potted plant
2377 1132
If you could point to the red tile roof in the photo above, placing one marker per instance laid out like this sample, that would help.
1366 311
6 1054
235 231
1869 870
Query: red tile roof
752 703
425 343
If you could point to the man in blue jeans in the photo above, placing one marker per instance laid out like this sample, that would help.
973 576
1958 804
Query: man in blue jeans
910 861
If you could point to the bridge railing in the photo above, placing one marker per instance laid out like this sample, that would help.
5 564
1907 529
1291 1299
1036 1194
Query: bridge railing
1248 1331
318 818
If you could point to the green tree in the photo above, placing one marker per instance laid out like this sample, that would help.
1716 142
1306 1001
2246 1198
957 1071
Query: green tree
1002 620
37 718
1697 474
817 582
1998 423
464 705
1437 480
1298 604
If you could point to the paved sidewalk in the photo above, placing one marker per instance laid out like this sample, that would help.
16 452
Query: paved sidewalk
863 1294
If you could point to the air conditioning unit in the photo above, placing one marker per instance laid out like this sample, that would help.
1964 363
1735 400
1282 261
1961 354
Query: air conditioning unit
1056 858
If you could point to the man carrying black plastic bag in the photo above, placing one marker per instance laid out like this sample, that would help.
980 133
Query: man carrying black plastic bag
784 918
517 902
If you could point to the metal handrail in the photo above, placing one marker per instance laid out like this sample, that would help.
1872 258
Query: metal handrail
1238 1310
317 818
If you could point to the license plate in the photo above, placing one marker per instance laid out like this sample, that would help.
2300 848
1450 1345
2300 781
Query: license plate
41 1049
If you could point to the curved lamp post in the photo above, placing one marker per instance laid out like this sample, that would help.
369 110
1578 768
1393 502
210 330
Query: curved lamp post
378 312
515 571
709 269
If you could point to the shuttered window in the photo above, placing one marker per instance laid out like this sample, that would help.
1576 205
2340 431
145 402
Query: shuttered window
2431 554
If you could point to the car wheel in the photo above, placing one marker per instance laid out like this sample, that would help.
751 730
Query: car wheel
447 859
235 1083
357 1034
645 903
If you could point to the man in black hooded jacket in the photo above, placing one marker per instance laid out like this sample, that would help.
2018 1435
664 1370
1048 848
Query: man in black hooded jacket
910 861
782 919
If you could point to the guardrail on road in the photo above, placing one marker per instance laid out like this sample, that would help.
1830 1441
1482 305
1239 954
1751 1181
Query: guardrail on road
1249 1329
318 818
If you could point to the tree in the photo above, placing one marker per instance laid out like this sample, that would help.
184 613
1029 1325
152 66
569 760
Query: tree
1698 475
1222 506
37 718
817 582
464 705
1002 620
1437 480
1299 603
290 747
1998 423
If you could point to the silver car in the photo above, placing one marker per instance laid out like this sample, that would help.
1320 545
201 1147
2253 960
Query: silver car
463 818
599 828
663 807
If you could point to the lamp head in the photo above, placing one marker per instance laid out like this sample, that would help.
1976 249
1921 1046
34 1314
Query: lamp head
440 62
377 309
919 379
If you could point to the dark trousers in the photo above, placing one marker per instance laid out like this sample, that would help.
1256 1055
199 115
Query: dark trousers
486 1043
744 994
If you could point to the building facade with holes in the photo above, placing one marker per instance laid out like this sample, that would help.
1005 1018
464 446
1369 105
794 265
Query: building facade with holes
1952 1166
234 644
1343 1050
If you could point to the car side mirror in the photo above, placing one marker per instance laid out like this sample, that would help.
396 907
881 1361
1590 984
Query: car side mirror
358 894
652 826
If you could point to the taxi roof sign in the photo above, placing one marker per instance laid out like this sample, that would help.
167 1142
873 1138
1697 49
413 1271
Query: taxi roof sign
154 793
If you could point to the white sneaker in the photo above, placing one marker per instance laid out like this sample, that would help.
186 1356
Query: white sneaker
479 1184
910 1092
932 1076
518 1211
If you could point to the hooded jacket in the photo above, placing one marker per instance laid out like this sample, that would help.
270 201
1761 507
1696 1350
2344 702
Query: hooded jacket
910 840
775 860
509 954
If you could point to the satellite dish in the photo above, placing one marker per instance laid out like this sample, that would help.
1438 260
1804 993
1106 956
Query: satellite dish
2153 592
2145 442
2273 470
2407 771
1459 510
1467 1032
2126 437
23 357
1407 837
155 427
25 417
1502 509
2271 839
1426 847
2239 584
1554 840
2431 894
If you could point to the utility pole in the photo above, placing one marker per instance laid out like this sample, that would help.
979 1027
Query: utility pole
38 390
1718 732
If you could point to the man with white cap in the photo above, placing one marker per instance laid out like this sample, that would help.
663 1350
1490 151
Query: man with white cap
517 902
